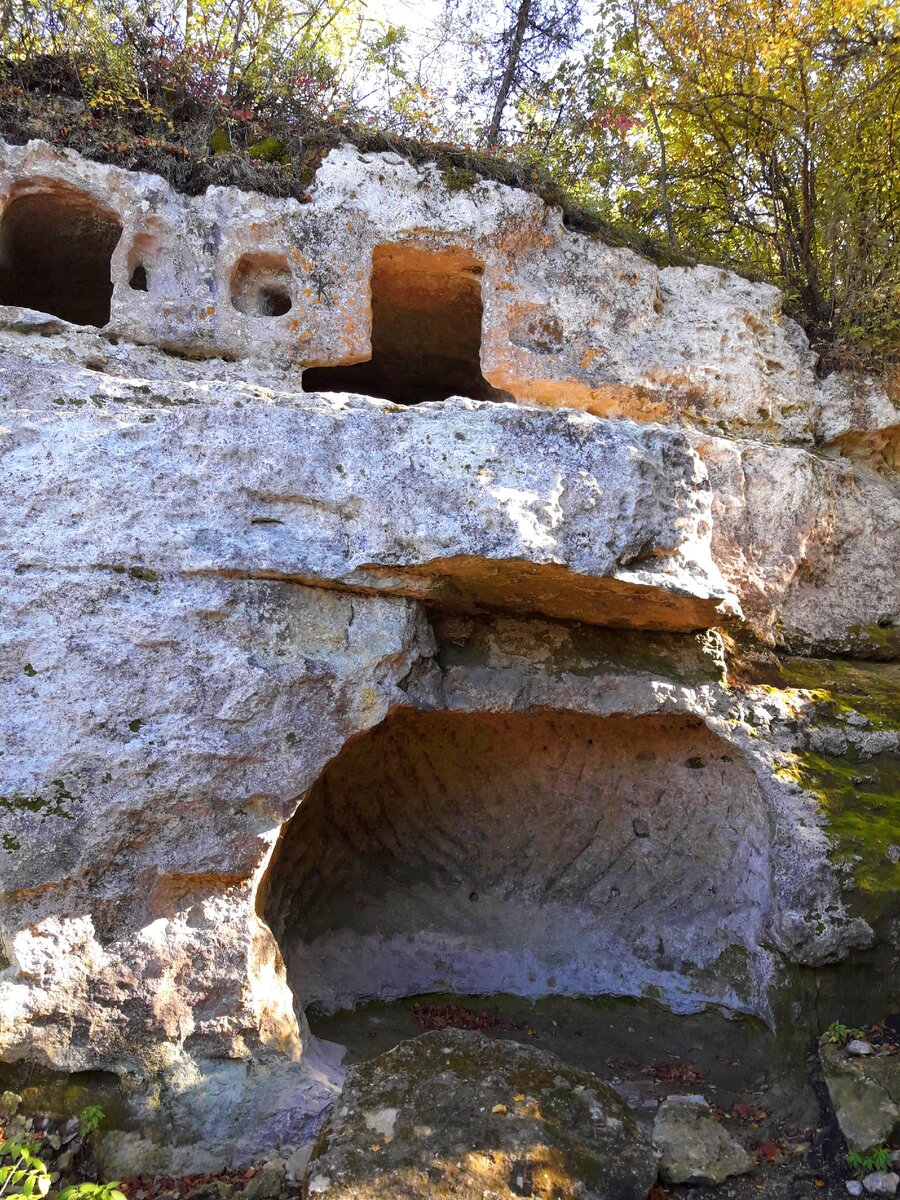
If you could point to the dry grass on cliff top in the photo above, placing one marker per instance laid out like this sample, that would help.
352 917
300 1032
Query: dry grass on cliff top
276 149
276 153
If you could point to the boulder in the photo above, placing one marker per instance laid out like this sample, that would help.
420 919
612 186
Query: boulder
267 1184
865 1093
695 1148
457 1114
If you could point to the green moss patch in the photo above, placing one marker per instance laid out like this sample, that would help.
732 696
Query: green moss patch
54 804
860 797
848 685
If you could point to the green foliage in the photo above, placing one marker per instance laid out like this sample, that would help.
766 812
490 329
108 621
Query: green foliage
90 1118
25 1176
22 1174
92 1191
837 1033
864 1163
761 137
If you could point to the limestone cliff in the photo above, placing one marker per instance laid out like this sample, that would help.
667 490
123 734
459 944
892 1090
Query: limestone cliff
379 577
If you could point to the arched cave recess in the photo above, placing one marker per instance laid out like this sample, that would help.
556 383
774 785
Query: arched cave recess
525 853
56 244
426 330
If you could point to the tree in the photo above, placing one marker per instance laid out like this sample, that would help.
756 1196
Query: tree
763 136
517 45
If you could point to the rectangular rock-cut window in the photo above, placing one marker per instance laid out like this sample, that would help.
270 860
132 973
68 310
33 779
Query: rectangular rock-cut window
56 244
426 330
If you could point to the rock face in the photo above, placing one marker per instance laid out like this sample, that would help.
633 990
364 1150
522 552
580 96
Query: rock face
457 1114
694 1148
377 573
459 503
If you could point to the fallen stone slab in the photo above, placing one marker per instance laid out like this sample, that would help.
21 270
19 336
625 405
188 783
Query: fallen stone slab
865 1094
694 1147
458 1115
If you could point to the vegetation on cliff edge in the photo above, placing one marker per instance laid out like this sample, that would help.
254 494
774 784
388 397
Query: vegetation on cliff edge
763 137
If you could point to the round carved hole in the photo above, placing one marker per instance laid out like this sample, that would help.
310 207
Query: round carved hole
274 302
261 285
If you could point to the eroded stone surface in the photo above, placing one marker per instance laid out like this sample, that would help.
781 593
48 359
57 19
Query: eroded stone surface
462 503
526 853
457 1114
699 348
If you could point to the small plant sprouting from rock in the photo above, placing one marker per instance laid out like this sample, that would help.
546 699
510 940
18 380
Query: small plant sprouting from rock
865 1162
839 1034
90 1118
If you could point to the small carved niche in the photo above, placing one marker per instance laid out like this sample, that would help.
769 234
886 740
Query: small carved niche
261 285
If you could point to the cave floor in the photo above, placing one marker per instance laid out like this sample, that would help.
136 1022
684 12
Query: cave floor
761 1087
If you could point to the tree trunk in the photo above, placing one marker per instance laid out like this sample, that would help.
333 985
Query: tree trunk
664 178
235 48
509 74
660 138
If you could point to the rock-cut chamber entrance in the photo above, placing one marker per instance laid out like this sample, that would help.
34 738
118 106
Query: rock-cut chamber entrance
426 331
56 246
531 854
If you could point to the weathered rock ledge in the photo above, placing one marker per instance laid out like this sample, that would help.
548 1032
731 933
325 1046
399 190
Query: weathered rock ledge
465 502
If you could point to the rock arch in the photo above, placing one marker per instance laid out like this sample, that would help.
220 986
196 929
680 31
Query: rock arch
528 853
56 246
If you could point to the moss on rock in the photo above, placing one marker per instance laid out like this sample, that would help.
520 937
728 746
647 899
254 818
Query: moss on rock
455 1114
859 792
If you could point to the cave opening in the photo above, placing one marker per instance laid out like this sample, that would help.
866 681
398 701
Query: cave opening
138 279
262 285
56 246
532 854
426 331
